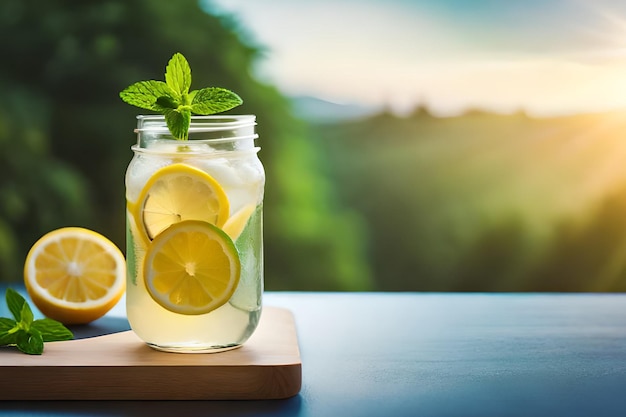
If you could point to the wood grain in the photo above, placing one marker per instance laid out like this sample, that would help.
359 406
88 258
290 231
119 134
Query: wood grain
120 366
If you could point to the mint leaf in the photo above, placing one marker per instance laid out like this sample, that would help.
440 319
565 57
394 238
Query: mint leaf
27 316
6 324
173 99
52 330
15 302
178 75
214 100
178 122
7 338
26 333
30 342
8 327
144 94
164 103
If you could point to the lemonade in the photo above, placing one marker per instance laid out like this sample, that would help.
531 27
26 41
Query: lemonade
194 234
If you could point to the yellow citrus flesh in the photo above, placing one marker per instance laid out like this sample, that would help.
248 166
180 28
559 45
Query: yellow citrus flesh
192 268
74 275
237 222
176 193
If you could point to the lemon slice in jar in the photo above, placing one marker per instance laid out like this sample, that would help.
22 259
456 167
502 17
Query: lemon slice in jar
176 193
238 221
74 275
192 268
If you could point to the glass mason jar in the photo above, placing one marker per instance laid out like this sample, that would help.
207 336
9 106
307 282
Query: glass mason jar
194 234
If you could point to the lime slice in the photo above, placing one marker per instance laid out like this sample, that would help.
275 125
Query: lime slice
192 268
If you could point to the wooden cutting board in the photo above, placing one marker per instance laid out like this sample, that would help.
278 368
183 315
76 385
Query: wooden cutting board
120 366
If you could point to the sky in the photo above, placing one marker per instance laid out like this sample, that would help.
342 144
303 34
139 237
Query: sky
546 57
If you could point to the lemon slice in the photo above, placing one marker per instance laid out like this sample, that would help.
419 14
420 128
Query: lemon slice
175 193
74 275
237 222
192 268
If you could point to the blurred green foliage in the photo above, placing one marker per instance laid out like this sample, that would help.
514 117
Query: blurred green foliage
65 135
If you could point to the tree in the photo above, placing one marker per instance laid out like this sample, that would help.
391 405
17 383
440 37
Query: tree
65 134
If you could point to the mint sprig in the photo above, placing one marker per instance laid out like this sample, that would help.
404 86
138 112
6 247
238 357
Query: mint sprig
174 99
26 333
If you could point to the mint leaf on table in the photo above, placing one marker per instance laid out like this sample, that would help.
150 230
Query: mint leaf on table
27 316
15 302
30 342
7 332
174 99
52 330
26 333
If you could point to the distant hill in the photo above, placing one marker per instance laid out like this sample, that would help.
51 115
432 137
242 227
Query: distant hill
486 202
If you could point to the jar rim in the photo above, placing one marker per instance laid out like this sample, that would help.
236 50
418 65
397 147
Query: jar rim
156 123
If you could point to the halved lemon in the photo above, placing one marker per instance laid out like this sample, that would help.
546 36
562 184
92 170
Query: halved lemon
192 268
74 275
176 193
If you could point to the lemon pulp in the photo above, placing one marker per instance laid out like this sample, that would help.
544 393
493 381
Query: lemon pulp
176 193
192 268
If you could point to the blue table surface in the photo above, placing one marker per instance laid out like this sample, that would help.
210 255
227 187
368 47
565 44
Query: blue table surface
424 354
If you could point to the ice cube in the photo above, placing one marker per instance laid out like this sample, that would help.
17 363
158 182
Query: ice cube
241 178
140 171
